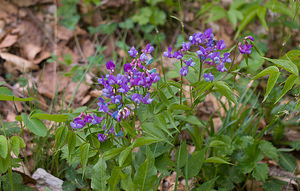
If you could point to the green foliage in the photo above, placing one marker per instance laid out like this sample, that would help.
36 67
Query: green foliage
34 125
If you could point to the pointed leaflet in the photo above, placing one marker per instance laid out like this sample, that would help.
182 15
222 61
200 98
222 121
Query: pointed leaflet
195 163
271 83
287 161
287 86
141 141
288 65
224 89
99 176
123 156
35 125
217 160
3 146
267 71
114 179
50 117
84 155
261 13
146 173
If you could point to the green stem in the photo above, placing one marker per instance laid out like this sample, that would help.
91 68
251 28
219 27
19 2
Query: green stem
181 84
200 72
181 20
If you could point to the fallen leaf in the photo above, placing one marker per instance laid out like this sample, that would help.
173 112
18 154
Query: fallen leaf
8 41
25 3
21 63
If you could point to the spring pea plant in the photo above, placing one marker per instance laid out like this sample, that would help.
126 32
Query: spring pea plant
134 137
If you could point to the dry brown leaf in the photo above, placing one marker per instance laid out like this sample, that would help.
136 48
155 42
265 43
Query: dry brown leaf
87 47
8 41
31 50
65 34
20 63
85 100
81 92
41 56
25 3
96 93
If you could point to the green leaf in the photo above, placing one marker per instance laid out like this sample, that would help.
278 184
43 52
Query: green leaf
279 7
143 16
158 17
13 98
84 155
217 160
193 120
216 143
183 152
289 83
99 177
195 163
248 16
128 128
141 141
15 145
224 89
114 179
150 129
261 13
269 150
288 162
112 153
123 156
260 172
60 136
232 17
176 106
207 186
146 173
127 183
3 147
285 64
71 142
50 117
267 71
127 24
1 83
4 163
34 125
271 83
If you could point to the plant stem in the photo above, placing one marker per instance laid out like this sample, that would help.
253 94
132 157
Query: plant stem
181 84
200 72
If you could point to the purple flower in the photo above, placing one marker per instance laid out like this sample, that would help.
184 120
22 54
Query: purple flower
103 107
126 112
186 46
101 137
249 37
147 100
138 81
116 99
101 80
127 67
97 120
155 77
115 114
78 123
133 52
245 48
208 33
189 62
226 58
220 45
148 48
178 55
88 119
137 98
143 57
168 53
123 89
184 71
201 52
208 77
221 67
197 38
110 65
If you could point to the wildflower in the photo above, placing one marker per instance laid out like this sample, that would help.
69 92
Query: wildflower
116 99
133 52
127 67
246 47
184 71
102 137
208 77
143 57
221 67
137 98
88 119
110 66
103 107
77 124
186 46
147 99
97 120
190 62
148 48
220 45
178 55
168 53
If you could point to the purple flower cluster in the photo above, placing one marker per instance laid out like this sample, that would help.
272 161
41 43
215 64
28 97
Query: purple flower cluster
121 87
208 77
208 52
246 47
102 137
80 121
